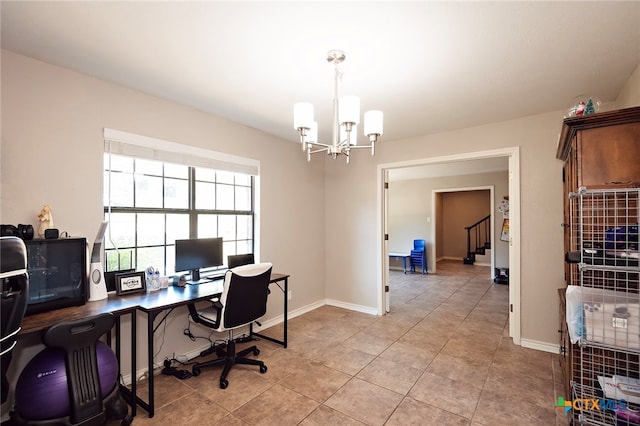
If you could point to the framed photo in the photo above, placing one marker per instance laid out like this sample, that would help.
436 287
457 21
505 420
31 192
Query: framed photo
130 282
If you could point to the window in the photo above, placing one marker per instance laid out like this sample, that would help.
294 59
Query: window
149 204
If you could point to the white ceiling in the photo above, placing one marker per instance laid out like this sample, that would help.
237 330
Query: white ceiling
430 66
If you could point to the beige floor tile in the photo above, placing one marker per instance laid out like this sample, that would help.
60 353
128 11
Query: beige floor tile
365 402
243 386
412 412
409 355
455 368
324 416
391 375
475 353
276 406
514 384
391 329
346 359
495 409
316 381
456 396
189 409
429 339
367 343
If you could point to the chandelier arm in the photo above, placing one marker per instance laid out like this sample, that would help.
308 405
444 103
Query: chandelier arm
315 151
316 144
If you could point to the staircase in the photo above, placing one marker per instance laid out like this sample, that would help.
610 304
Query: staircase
478 239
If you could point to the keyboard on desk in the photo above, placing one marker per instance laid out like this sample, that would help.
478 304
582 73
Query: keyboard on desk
206 280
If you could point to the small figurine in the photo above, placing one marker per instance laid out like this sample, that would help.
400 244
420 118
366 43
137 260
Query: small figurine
580 108
46 220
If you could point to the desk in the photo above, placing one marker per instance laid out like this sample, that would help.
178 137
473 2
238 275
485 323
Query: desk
403 256
153 304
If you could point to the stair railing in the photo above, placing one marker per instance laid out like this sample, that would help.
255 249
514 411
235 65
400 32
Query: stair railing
480 232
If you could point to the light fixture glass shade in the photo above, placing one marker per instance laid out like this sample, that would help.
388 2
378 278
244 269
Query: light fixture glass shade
353 137
302 115
373 123
312 134
349 111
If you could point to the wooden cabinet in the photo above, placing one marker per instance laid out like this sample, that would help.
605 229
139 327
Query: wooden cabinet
601 150
601 173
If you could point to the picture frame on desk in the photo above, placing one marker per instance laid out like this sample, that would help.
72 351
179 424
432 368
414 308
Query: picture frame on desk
130 282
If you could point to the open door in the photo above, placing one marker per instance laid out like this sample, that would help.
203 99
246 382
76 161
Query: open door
385 232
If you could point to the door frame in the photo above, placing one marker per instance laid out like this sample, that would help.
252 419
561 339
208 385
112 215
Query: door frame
513 154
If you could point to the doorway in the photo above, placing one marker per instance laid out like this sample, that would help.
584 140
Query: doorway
447 241
450 163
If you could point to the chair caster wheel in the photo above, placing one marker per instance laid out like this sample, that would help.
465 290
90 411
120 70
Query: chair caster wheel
224 384
195 371
256 352
263 369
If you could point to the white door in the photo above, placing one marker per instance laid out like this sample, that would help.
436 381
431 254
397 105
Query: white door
385 273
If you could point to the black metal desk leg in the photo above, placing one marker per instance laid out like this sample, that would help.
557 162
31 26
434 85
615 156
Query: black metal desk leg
286 308
285 292
150 317
134 379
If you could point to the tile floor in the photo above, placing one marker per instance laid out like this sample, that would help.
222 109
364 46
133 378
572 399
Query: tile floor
441 357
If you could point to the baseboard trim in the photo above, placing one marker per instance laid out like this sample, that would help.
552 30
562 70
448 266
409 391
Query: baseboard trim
540 346
352 307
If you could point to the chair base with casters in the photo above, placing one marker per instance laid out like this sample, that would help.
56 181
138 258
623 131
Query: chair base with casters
228 357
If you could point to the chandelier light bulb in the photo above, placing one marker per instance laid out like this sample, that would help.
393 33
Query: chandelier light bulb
349 109
373 123
302 115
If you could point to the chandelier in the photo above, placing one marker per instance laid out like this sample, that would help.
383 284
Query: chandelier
346 117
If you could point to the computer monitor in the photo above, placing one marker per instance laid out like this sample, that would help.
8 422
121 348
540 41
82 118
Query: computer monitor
239 260
197 253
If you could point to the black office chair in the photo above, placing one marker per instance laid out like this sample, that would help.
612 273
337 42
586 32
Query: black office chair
15 294
243 301
235 260
74 380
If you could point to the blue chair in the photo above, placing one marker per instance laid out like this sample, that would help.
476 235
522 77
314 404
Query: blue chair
419 255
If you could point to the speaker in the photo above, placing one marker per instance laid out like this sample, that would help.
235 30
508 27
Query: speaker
51 233
97 283
21 231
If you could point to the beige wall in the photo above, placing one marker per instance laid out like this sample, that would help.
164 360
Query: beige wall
461 209
541 238
52 150
630 94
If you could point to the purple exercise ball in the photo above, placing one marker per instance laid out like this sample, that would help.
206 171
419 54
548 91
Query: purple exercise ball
42 392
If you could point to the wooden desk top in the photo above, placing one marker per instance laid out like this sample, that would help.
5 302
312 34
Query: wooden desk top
120 305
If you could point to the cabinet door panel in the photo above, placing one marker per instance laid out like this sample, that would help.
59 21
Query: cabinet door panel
609 156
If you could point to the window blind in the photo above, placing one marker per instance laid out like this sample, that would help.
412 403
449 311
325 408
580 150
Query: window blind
132 145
